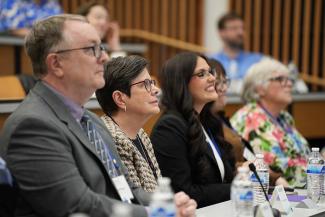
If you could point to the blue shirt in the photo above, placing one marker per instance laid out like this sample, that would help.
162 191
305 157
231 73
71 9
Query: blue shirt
76 110
17 14
237 68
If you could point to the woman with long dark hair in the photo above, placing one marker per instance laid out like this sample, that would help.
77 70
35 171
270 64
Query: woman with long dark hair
196 159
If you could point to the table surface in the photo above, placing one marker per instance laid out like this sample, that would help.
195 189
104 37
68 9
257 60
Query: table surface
225 209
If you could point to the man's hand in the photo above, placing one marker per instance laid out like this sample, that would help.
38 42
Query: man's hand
185 206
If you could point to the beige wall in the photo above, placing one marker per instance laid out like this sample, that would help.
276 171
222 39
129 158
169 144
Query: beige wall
213 10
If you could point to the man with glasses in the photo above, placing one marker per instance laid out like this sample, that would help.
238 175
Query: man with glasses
61 156
233 58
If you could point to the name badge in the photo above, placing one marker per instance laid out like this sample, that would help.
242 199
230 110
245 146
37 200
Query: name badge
123 188
248 155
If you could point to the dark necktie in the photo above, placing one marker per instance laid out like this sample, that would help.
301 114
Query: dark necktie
101 149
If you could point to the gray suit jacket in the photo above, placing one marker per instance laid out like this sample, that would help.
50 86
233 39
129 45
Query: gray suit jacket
56 168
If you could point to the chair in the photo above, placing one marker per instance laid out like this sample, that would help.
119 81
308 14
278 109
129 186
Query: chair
11 88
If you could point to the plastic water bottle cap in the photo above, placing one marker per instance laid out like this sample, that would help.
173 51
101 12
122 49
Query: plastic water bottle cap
315 149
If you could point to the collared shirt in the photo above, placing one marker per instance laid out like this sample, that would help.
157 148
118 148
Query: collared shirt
23 13
237 67
216 154
75 109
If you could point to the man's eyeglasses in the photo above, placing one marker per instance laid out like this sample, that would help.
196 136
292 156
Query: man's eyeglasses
97 50
283 80
147 84
220 84
205 73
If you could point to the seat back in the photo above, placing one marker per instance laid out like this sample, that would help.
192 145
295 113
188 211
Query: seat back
11 88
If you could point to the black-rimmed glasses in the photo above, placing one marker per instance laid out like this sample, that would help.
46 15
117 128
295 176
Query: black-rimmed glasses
283 80
220 84
205 73
97 50
147 84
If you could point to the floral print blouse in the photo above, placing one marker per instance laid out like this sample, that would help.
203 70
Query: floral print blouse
285 149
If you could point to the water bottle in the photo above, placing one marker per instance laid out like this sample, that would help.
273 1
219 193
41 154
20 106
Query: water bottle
315 177
263 172
162 203
78 214
242 193
121 210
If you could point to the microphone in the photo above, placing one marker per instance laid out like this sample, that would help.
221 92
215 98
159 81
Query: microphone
276 213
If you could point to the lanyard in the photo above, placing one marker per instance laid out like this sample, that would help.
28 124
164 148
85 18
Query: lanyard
285 127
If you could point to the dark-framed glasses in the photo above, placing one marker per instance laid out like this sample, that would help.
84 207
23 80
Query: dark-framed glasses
97 50
205 73
283 80
147 84
222 83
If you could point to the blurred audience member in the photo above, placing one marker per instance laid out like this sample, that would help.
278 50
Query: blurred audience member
129 99
109 31
234 59
18 16
264 122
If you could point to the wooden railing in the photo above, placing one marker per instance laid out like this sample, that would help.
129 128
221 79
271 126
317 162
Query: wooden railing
167 26
163 40
288 30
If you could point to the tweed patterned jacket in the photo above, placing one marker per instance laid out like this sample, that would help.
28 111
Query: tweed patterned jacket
140 172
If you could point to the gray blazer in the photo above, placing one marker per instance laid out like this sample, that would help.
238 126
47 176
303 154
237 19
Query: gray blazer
56 168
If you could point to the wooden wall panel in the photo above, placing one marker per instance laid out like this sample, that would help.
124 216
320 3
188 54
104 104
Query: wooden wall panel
316 39
293 30
177 19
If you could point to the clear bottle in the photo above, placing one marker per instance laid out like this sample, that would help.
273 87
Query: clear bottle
242 193
263 172
78 214
162 203
315 177
121 210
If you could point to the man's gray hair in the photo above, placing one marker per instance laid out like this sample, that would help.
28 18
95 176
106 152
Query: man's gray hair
44 36
259 74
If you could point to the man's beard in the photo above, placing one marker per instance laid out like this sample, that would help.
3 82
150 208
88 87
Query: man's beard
235 44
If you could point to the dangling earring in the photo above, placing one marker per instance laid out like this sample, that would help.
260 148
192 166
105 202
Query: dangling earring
124 108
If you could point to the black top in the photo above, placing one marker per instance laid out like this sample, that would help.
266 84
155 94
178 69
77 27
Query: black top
170 142
143 151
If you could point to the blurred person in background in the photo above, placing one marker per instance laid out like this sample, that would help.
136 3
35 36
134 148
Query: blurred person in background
18 16
98 15
234 59
267 126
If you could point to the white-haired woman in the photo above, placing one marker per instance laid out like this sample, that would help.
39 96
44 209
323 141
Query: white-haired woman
265 123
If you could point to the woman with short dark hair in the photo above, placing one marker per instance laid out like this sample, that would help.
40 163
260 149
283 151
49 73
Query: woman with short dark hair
129 99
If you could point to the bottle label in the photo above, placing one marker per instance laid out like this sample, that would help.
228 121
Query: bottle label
162 212
316 169
261 175
246 196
